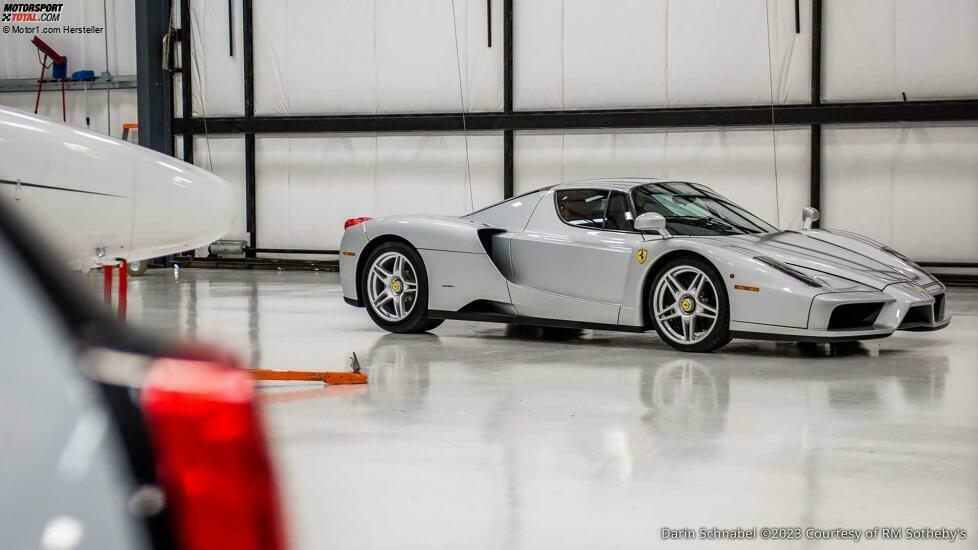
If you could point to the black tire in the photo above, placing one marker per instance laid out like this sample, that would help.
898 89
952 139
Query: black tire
137 268
417 320
719 334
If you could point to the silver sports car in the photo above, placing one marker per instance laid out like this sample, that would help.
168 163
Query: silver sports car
635 254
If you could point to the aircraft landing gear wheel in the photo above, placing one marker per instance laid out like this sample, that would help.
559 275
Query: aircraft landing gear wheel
137 268
395 289
688 306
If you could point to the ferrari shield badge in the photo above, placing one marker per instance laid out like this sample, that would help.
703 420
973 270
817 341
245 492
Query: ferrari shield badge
641 255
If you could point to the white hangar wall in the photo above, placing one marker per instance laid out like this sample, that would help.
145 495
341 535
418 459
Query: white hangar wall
580 54
122 104
877 50
915 187
224 155
367 175
739 164
384 56
389 56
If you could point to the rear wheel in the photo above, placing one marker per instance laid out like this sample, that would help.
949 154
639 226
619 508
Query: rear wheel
688 306
395 289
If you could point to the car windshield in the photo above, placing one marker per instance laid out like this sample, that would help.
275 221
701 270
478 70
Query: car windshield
696 210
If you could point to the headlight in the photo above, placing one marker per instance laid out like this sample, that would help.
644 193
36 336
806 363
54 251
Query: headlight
788 270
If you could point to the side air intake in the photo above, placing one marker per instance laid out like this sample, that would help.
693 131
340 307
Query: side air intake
485 236
497 247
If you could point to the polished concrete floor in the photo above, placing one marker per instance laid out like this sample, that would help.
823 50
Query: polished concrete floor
476 437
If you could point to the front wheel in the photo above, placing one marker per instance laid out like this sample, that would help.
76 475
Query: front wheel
395 289
689 307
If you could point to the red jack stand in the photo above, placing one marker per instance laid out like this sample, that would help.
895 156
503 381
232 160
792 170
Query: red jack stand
56 59
123 287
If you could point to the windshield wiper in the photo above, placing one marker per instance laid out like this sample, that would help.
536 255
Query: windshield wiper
744 229
703 222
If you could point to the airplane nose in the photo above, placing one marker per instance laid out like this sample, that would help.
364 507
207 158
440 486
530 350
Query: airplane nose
176 206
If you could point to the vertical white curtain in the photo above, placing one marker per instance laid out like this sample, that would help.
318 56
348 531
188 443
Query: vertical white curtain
914 188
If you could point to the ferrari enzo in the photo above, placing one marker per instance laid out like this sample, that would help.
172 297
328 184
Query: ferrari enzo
635 254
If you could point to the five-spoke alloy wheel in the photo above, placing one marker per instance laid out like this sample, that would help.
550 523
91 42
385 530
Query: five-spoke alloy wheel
688 306
394 286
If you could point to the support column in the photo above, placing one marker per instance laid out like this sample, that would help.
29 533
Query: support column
815 175
815 155
186 79
155 91
508 169
251 217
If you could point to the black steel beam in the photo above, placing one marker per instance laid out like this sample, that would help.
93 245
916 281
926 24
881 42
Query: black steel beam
508 56
154 86
508 169
509 174
815 164
247 11
186 78
816 80
251 208
815 139
251 218
489 23
291 251
231 27
752 115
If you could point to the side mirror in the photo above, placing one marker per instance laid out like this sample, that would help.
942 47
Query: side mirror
809 216
651 221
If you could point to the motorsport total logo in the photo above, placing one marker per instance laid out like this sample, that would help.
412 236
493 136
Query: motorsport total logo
32 13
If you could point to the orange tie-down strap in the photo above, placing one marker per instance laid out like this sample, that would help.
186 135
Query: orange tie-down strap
307 376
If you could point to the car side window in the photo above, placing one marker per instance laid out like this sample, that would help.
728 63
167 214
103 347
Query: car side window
582 207
619 215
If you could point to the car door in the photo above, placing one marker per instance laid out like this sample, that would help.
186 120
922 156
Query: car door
571 261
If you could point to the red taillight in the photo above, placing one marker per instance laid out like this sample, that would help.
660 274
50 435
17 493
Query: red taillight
355 221
211 455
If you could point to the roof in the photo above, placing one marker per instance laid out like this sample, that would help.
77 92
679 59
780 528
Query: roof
619 183
624 184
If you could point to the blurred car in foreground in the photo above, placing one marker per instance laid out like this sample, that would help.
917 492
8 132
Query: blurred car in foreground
114 439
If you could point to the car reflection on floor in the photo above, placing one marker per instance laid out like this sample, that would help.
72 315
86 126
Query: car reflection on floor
483 436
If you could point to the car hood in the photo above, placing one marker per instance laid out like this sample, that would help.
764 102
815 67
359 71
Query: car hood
851 257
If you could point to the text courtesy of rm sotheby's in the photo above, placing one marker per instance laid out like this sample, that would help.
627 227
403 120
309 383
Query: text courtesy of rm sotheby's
922 534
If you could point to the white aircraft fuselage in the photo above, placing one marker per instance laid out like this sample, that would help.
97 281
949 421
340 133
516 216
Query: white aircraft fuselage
98 199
